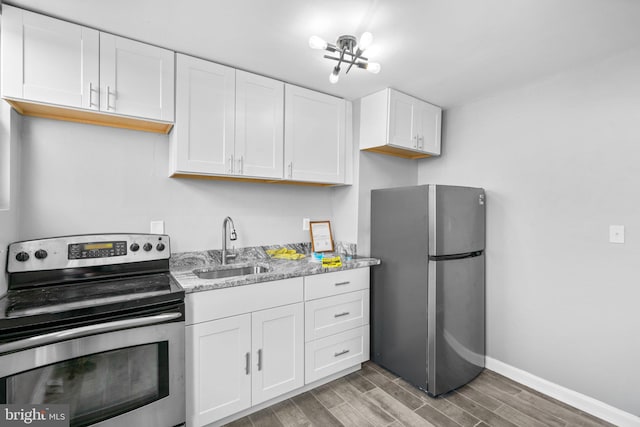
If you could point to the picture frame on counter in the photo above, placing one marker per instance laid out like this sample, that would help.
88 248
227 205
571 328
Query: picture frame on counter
321 236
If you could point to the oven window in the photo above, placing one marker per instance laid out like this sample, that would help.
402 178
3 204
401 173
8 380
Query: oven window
98 386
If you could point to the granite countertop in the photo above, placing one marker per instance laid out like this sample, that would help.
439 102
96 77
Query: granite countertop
183 264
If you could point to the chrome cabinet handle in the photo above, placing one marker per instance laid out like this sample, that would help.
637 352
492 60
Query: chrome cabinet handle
241 165
260 360
346 313
341 353
415 141
290 169
247 366
83 331
341 283
91 90
109 107
421 142
230 170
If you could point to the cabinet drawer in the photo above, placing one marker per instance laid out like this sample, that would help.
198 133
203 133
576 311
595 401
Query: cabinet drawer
219 303
329 355
339 282
328 316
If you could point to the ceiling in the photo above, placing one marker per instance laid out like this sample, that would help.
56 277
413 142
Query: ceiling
448 52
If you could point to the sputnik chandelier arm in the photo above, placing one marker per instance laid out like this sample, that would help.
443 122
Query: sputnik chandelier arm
349 52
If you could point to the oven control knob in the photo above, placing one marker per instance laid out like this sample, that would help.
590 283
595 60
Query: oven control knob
41 254
147 247
160 247
22 256
134 247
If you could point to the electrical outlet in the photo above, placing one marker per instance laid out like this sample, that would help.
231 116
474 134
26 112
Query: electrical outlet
305 224
156 227
616 233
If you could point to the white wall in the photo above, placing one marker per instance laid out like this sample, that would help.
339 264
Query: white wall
10 123
559 161
84 179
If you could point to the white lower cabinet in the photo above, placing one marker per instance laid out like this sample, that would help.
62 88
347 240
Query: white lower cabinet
336 322
244 360
249 344
334 353
277 337
218 361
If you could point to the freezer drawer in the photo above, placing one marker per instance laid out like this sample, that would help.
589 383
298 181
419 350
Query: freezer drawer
456 326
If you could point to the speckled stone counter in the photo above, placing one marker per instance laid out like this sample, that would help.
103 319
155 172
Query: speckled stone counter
182 266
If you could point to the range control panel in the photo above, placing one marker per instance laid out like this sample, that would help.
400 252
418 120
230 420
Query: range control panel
86 250
97 249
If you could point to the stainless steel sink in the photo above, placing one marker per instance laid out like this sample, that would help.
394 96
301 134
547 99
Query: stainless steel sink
230 271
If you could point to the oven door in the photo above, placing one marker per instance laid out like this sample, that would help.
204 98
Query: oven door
130 374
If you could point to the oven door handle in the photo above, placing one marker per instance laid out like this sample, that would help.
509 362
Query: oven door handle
83 331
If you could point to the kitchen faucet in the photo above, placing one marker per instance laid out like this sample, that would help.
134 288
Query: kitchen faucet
234 236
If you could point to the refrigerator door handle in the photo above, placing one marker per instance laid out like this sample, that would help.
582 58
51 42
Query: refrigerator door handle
454 256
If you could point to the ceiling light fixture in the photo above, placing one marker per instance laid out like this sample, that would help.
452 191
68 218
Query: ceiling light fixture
349 51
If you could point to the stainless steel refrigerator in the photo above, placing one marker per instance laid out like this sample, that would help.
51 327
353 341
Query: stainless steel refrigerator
428 293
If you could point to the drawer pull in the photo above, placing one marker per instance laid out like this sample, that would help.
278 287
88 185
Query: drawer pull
341 353
247 363
260 360
342 283
346 313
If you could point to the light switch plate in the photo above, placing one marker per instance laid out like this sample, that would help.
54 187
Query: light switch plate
156 227
305 224
616 233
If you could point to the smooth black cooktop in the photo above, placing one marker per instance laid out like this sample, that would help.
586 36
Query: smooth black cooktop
41 309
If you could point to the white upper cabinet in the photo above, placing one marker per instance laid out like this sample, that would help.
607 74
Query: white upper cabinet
399 125
259 126
136 79
60 70
48 60
402 121
228 122
428 127
315 136
203 139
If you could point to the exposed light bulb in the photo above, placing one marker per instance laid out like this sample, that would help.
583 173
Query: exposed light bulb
333 77
365 40
373 67
316 42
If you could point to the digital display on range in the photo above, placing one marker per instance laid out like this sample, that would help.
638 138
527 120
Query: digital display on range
91 246
97 249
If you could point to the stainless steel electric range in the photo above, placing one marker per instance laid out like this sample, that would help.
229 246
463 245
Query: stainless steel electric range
95 322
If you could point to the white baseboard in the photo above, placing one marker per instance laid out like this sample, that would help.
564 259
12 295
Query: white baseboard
578 400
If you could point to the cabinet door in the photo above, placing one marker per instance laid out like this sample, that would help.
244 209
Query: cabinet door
136 79
314 136
218 369
429 119
402 131
259 126
205 110
278 351
48 60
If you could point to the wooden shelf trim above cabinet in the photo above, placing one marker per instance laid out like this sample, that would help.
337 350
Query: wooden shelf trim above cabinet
259 180
397 152
48 111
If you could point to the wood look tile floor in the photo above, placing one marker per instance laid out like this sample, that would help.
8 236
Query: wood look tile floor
376 397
